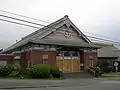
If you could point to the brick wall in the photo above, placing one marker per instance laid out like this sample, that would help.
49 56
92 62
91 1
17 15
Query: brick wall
87 58
35 57
8 58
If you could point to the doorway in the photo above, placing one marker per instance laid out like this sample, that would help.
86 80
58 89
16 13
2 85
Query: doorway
68 61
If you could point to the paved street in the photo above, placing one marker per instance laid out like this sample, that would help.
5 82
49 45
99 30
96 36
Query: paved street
68 84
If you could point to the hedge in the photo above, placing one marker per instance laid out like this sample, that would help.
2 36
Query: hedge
36 71
55 71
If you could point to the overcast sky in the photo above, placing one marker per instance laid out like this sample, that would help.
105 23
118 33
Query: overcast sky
95 16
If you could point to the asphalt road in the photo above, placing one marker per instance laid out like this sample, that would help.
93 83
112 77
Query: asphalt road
68 84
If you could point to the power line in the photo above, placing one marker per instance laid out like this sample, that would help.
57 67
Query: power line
99 35
102 39
42 21
19 23
21 20
46 26
24 16
27 21
49 27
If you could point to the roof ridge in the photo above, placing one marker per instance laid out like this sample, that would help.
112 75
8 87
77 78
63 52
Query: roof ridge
47 26
28 37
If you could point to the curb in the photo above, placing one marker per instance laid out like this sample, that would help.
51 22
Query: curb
42 86
20 87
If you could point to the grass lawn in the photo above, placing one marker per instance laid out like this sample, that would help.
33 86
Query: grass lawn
111 75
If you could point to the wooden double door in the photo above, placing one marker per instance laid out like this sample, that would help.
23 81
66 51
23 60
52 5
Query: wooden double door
69 64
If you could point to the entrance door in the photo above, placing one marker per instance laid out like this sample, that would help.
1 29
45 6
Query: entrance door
68 62
67 65
76 61
75 65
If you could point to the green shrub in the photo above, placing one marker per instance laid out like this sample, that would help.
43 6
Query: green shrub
55 72
14 74
11 71
5 70
16 71
40 71
104 66
27 72
97 71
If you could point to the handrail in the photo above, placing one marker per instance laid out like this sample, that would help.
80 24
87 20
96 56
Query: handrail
93 72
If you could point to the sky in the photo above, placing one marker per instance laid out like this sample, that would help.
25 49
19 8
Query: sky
93 16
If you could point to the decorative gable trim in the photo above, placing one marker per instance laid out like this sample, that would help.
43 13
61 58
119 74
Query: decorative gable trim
68 23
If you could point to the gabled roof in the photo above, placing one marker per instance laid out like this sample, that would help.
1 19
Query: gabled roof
38 36
107 50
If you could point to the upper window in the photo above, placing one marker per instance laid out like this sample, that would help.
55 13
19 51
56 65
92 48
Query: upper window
45 59
67 54
75 54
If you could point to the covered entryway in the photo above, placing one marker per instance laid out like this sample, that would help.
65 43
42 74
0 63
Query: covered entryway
68 61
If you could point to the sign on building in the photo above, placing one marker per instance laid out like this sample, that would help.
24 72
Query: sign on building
116 66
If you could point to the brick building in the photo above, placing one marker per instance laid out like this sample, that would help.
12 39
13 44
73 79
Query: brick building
59 44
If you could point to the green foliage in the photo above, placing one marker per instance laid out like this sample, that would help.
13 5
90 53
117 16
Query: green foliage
36 71
10 71
39 71
104 66
14 74
55 72
96 71
5 70
16 71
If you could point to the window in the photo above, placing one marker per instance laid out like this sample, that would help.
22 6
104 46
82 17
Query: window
67 54
45 59
91 63
75 54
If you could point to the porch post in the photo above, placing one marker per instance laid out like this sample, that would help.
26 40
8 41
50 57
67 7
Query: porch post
71 60
79 60
63 61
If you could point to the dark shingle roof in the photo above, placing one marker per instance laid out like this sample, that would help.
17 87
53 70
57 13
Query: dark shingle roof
66 42
38 36
107 50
